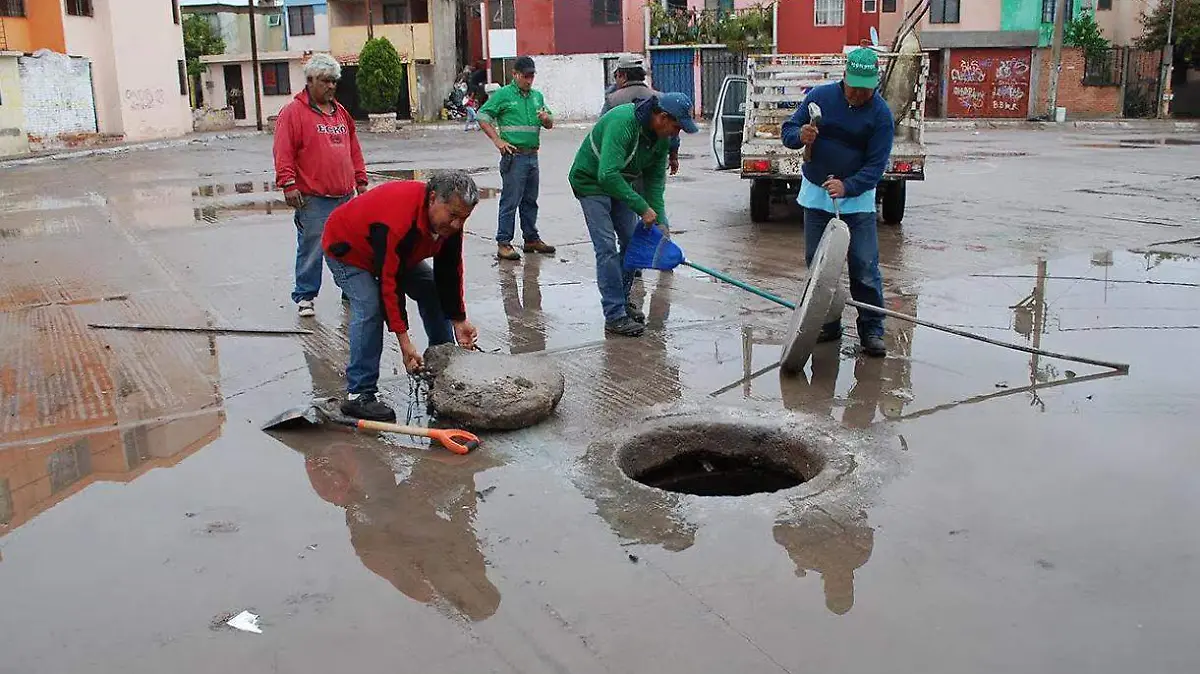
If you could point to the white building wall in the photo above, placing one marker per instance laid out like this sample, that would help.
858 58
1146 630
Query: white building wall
90 36
572 85
57 94
147 49
213 81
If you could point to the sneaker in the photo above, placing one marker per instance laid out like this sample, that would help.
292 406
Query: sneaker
539 246
365 406
305 309
634 313
624 327
874 346
830 333
506 252
345 298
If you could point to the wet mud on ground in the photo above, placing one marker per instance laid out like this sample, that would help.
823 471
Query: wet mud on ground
989 511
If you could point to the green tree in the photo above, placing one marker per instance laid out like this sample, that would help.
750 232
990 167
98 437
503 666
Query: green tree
380 75
1084 32
199 39
1187 27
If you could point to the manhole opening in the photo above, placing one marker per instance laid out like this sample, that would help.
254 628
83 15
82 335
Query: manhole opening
710 474
718 460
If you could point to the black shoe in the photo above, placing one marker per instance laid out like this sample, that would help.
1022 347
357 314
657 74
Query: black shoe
365 406
830 333
345 298
626 327
874 346
634 313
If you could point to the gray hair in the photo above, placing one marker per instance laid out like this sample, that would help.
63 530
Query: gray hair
454 183
322 65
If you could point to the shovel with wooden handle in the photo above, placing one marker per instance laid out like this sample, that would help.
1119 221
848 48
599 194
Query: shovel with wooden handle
315 414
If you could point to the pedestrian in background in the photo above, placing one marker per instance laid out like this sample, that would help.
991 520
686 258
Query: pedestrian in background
513 118
631 87
318 165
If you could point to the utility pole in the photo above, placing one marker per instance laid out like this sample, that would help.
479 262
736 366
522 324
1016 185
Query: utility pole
254 66
1168 58
1060 10
370 21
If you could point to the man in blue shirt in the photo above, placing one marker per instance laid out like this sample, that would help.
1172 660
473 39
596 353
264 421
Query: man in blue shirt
849 154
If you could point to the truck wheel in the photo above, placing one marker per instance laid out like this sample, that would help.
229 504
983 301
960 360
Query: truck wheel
760 200
893 201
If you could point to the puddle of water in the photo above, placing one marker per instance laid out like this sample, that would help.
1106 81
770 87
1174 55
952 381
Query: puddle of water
422 174
1140 143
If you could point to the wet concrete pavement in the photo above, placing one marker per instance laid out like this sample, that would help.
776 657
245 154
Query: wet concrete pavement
1003 513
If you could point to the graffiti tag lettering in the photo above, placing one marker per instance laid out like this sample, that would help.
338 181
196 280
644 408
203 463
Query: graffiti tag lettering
145 99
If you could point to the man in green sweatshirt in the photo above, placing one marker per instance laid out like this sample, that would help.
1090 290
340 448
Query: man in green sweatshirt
630 141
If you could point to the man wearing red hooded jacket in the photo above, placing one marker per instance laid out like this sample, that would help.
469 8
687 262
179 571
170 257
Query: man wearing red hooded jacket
318 165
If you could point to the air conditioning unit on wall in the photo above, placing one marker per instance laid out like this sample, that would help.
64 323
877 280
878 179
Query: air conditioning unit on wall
274 20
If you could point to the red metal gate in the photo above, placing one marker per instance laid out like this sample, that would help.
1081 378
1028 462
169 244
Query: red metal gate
989 83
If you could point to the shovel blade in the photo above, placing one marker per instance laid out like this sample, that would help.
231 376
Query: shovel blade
306 416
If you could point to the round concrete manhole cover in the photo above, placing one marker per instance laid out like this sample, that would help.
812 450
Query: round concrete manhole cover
719 459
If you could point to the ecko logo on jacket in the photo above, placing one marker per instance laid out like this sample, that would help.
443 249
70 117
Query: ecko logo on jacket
333 129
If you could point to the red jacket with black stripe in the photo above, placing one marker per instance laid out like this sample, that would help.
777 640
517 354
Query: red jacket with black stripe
386 232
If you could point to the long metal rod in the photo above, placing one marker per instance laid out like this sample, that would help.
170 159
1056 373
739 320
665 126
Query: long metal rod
1120 367
201 328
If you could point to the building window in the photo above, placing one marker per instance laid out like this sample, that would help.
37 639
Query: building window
408 11
870 6
677 5
829 13
79 7
503 15
182 66
301 21
276 79
606 12
944 11
12 7
1048 10
889 6
1103 5
175 11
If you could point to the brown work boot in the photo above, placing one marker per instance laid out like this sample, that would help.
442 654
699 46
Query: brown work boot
539 246
506 252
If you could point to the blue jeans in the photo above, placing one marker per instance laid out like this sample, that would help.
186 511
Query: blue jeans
519 191
866 283
310 225
367 318
610 223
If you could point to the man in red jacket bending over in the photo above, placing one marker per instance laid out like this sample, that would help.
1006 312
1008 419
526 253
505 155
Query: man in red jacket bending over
318 165
376 246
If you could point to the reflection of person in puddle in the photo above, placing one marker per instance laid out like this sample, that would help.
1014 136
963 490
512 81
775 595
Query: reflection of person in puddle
377 246
419 534
833 547
523 307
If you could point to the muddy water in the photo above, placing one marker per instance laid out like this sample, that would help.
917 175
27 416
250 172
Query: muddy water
995 498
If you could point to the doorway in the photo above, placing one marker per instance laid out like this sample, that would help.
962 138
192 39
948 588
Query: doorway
234 93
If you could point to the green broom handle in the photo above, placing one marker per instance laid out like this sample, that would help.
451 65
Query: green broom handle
744 286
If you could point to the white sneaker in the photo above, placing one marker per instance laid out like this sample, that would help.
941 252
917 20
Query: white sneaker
305 308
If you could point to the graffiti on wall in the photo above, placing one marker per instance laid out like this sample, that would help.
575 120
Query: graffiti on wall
989 83
145 99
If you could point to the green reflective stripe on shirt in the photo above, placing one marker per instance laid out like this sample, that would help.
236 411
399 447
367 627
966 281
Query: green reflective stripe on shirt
515 115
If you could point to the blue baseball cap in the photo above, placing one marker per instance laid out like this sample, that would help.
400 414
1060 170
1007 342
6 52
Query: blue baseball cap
679 106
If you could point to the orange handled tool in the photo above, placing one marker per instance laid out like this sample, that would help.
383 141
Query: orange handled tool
459 442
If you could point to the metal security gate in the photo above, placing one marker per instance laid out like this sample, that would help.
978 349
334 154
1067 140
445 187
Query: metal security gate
715 66
672 70
1143 68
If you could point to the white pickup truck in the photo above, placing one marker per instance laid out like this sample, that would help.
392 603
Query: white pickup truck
752 108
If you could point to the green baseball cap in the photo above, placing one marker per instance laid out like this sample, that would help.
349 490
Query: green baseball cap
862 69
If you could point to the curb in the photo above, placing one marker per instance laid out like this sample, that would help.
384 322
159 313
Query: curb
1089 124
120 149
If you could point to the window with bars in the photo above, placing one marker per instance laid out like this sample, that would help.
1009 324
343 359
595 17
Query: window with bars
870 6
276 79
1048 10
503 15
606 12
889 6
406 11
943 11
301 21
14 8
829 13
79 7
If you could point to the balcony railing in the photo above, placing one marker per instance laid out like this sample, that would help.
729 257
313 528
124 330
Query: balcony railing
413 41
749 29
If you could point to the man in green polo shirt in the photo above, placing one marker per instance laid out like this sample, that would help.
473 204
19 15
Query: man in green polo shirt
513 118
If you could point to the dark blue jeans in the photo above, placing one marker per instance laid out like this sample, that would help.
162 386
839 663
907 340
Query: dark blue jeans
866 283
611 224
310 225
519 192
367 318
